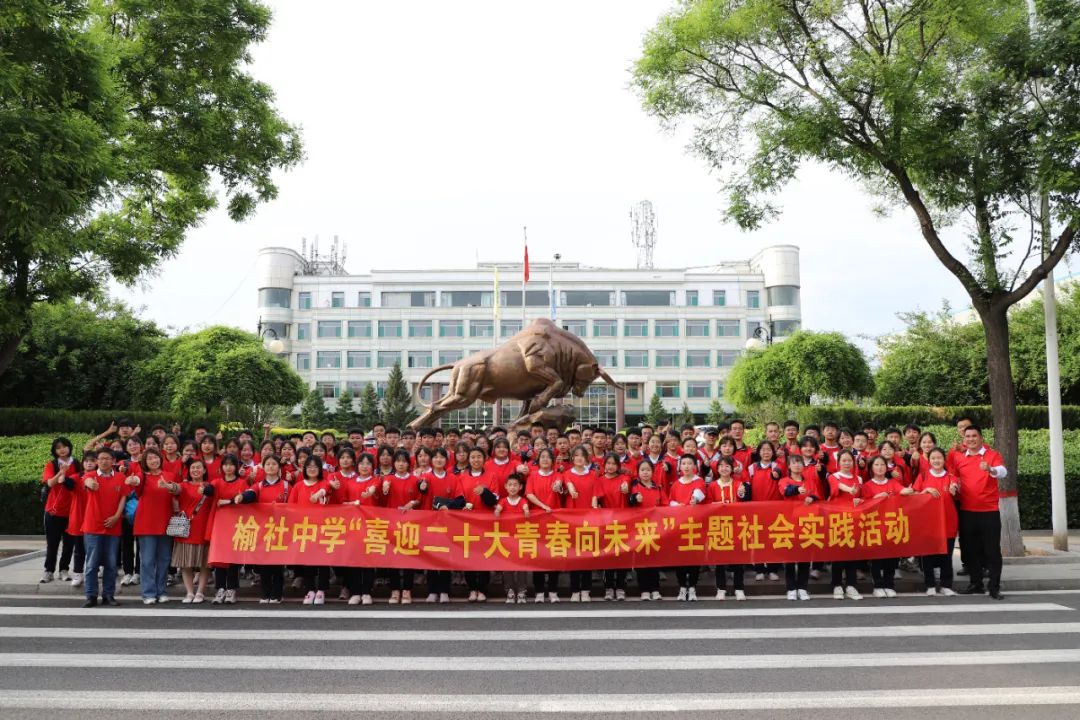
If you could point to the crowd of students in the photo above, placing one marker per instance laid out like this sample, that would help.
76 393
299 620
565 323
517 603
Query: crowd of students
113 507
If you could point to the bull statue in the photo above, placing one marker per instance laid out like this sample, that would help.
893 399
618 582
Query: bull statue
539 364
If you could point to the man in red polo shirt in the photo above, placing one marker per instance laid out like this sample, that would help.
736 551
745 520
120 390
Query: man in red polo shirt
979 467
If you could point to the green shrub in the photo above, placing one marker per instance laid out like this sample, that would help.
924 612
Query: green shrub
27 421
1032 417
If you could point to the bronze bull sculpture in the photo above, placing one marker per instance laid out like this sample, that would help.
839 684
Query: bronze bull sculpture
539 364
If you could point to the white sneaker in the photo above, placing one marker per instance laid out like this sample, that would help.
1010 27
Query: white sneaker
838 592
947 592
309 598
773 576
320 598
803 595
759 576
646 597
539 599
366 600
219 597
879 593
163 598
890 593
620 595
125 581
575 597
791 595
406 597
481 597
395 597
553 597
740 595
188 598
134 578
682 595
76 579
149 601
656 595
63 576
691 595
432 598
230 597
815 574
523 597
932 591
354 600
273 601
264 601
444 597
721 594
46 577
586 596
609 594
852 593
510 597
472 596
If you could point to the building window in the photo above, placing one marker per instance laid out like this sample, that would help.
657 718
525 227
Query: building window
695 389
481 328
574 326
667 389
667 358
719 389
358 359
380 389
419 328
329 328
360 328
607 358
388 358
426 393
785 295
691 298
753 299
633 391
751 327
635 358
451 328
303 331
509 327
605 328
327 390
636 328
337 299
719 297
303 361
697 358
783 328
648 298
389 328
275 297
355 388
667 328
727 328
697 328
327 359
363 299
448 357
305 301
275 330
726 358
420 359
587 298
466 298
408 299
533 298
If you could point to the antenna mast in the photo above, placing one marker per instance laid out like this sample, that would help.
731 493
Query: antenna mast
643 233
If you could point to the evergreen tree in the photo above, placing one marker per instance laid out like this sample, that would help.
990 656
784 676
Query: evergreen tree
716 413
344 417
397 403
313 412
656 411
369 407
685 416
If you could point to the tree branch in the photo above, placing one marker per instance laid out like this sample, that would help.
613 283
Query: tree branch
1039 273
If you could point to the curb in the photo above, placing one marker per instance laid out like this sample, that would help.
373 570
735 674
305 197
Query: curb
28 555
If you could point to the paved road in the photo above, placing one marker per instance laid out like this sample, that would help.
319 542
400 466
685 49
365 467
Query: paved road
766 658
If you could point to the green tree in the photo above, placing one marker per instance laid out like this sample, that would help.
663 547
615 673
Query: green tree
219 367
686 417
313 412
398 410
118 121
344 417
80 355
656 411
716 413
369 407
952 109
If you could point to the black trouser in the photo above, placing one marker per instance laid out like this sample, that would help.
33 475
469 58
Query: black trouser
844 571
80 553
401 579
129 549
55 536
615 580
360 580
316 577
227 578
546 581
272 581
687 576
737 579
438 582
883 572
648 579
980 536
943 563
580 581
797 576
477 580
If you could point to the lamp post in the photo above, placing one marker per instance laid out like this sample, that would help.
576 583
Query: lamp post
759 339
274 345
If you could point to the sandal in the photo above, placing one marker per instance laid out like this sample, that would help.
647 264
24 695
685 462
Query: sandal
199 598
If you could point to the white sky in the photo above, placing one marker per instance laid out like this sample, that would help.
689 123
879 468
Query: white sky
434 131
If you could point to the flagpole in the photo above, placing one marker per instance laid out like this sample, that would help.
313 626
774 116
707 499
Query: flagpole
524 274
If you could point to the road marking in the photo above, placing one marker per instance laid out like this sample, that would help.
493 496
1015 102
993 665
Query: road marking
522 703
488 636
471 612
600 663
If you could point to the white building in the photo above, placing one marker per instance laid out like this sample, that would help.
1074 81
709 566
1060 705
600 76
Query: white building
673 331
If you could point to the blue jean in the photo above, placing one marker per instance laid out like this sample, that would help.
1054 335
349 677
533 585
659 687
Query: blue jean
100 553
155 554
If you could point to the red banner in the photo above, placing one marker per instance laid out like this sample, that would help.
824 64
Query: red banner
578 539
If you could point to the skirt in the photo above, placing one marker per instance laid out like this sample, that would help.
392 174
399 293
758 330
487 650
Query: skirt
189 555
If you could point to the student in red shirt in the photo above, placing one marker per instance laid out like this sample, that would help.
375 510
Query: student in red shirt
57 479
228 490
791 439
270 487
937 482
543 490
580 488
105 497
765 474
881 484
156 490
514 506
402 491
689 489
75 516
208 451
845 485
172 460
439 483
191 553
313 489
725 490
898 469
362 490
979 468
645 493
611 492
664 471
918 463
476 495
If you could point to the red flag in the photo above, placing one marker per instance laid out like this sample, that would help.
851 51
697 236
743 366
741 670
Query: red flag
526 262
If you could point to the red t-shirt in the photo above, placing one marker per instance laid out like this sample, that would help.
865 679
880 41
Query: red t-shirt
155 505
838 495
609 491
941 483
222 491
402 490
584 485
650 496
978 488
808 479
665 470
513 509
189 497
541 487
300 493
176 467
78 506
59 501
870 488
268 493
103 503
213 467
500 471
717 492
763 485
680 493
438 487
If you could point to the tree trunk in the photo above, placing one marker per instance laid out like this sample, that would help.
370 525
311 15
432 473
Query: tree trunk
8 348
1003 406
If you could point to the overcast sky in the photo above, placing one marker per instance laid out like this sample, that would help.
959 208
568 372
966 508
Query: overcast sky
434 131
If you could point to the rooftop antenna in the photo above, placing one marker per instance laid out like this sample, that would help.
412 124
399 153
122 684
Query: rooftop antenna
643 233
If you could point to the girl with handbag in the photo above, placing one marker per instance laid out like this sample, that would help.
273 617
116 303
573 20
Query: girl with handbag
191 553
155 490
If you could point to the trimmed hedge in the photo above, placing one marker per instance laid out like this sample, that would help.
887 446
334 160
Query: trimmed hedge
28 421
1030 417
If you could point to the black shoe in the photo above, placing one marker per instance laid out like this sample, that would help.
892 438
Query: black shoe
973 590
109 601
90 602
996 594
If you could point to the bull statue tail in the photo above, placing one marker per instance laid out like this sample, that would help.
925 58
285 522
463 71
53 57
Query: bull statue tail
609 379
420 384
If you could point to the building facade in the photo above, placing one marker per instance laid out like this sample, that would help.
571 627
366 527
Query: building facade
676 332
